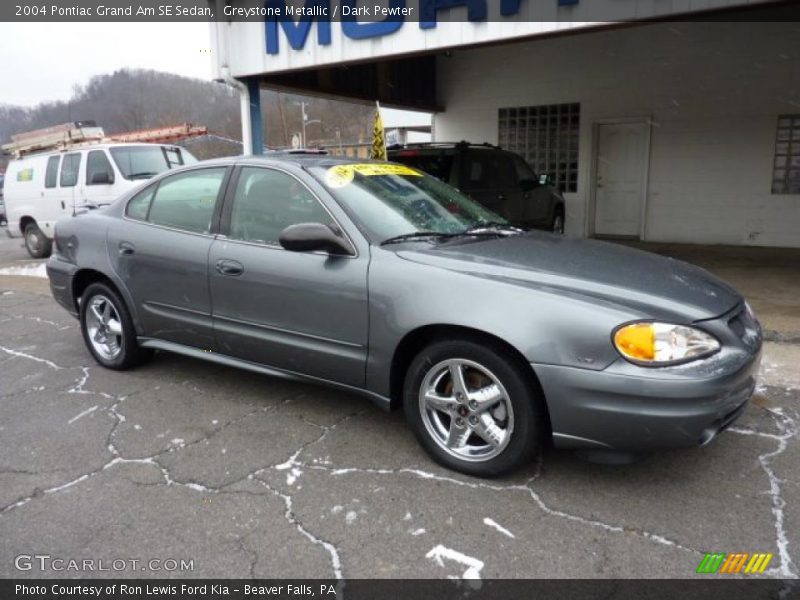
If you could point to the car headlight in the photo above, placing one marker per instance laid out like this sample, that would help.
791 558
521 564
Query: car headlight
659 344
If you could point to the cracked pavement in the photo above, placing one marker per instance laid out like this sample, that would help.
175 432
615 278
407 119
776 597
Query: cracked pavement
251 476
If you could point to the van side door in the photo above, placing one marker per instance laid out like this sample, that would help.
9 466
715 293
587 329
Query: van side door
67 192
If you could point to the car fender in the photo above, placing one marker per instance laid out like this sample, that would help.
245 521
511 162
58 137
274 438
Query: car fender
544 326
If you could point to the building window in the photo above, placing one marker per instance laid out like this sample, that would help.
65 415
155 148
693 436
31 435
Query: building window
786 169
547 137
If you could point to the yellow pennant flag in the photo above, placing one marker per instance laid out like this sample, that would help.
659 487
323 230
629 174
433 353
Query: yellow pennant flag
378 139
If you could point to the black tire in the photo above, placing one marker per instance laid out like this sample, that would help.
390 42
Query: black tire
527 409
557 224
129 354
37 243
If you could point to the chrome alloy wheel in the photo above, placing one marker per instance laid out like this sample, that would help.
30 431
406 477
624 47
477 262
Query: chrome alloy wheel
104 327
466 410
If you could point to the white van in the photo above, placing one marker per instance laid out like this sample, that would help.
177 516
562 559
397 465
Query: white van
43 188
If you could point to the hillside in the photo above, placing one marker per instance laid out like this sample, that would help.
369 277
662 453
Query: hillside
135 99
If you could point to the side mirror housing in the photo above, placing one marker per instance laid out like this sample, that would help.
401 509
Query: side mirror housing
101 177
546 179
313 237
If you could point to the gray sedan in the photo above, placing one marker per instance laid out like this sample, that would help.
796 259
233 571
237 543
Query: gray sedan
376 278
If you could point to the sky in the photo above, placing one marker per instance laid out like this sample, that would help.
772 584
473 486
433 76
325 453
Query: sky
40 62
43 61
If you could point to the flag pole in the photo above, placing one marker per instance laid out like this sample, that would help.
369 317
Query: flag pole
378 151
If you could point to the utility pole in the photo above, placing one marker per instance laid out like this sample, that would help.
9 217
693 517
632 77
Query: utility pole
305 121
303 118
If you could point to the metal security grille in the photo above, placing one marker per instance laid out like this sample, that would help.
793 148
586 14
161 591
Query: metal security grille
786 169
547 137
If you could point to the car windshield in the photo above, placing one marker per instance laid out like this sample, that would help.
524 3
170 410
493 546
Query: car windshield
391 200
143 162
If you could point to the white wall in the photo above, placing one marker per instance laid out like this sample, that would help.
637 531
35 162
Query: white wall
713 92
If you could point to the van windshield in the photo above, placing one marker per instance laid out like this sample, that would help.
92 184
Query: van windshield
144 162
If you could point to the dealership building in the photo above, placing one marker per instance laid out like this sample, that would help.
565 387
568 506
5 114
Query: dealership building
661 120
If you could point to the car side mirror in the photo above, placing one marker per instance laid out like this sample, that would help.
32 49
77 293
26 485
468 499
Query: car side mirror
545 179
101 177
313 237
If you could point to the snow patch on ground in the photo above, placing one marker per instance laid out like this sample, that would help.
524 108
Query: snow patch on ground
439 554
491 523
292 475
34 270
81 415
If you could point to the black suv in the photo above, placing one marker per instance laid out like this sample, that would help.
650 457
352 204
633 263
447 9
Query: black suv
500 180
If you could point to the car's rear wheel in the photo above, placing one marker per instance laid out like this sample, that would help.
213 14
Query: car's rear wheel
37 243
473 407
108 329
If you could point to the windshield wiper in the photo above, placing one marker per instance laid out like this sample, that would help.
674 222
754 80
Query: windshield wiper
492 228
415 235
142 175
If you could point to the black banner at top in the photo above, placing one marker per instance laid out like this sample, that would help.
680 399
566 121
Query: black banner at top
375 11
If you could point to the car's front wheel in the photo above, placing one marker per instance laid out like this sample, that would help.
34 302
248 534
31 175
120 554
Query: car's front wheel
473 407
108 329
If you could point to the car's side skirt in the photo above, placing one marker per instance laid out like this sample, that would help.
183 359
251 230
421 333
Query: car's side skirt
223 359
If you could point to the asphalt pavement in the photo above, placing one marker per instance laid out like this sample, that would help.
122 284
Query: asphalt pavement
182 468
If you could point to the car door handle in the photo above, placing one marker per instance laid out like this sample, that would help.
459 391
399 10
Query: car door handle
229 267
126 249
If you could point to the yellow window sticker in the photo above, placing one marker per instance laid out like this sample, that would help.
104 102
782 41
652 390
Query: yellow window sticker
341 175
25 175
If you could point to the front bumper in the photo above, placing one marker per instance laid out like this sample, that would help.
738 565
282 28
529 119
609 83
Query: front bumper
60 273
631 408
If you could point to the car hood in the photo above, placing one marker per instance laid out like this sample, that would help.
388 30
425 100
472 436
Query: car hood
658 286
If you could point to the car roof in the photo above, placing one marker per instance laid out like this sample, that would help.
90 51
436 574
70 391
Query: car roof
278 158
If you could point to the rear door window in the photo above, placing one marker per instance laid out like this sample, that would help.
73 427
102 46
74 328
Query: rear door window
51 174
187 200
69 169
139 205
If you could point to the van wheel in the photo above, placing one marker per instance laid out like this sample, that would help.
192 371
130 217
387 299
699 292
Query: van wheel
108 330
473 408
36 242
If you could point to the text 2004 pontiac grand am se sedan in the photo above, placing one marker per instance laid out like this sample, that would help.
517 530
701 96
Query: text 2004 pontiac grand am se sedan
376 278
